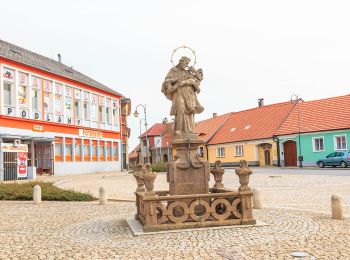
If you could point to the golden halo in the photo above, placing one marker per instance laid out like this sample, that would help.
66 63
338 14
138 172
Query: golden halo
183 47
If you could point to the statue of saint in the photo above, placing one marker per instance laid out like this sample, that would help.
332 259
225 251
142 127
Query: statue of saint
181 86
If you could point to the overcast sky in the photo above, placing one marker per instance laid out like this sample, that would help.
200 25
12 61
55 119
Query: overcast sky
247 49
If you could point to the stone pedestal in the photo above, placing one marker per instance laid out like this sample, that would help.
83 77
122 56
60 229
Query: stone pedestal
188 173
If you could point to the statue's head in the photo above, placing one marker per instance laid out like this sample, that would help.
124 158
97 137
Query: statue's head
184 62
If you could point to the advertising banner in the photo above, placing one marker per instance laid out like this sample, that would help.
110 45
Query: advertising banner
22 165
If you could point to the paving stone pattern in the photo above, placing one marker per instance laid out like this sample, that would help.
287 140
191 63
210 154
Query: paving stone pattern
86 230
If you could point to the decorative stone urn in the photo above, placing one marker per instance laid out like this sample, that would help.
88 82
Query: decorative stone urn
218 172
148 178
138 174
243 173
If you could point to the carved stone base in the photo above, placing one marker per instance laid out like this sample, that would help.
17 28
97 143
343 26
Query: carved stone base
188 173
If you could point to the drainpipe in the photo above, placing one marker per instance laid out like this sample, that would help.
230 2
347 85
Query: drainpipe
275 139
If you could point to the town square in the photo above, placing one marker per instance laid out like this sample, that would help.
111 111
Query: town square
174 130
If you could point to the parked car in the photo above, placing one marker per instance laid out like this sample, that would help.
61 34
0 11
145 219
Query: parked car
341 159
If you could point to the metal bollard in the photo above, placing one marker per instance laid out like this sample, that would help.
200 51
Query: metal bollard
37 194
103 196
337 207
257 201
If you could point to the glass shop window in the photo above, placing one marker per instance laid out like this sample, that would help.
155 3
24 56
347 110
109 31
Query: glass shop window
102 150
115 152
86 150
58 149
94 150
68 149
77 150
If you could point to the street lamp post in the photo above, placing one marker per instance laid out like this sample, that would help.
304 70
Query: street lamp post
140 159
136 114
300 157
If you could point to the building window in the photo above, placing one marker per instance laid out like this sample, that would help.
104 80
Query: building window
340 142
35 99
109 151
115 152
318 144
239 150
22 96
94 150
7 94
76 109
77 150
220 152
86 150
68 149
36 95
101 150
94 108
201 151
58 149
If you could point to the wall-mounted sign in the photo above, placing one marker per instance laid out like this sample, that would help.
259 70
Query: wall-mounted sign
10 111
22 96
36 115
69 120
23 78
9 75
24 113
48 117
90 133
22 165
9 147
38 128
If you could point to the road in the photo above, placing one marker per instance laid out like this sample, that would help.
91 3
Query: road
298 171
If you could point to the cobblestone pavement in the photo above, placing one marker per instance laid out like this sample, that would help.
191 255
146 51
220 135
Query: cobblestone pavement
308 192
66 230
294 212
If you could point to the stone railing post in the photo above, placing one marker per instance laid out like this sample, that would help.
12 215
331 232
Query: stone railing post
218 173
337 207
37 194
257 201
103 196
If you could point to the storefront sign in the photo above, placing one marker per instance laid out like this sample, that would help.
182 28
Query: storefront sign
38 128
9 147
22 165
9 75
90 133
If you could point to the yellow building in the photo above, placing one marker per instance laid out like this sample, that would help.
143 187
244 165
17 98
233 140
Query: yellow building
248 135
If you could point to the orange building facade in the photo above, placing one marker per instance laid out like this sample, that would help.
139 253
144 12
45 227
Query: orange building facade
70 124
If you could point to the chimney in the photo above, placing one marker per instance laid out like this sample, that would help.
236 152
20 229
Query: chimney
260 102
59 58
215 115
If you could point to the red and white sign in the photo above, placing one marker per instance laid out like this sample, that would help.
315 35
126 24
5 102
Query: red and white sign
58 89
36 82
22 165
9 75
38 128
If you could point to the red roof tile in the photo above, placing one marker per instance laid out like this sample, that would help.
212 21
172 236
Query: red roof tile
156 130
318 115
252 124
207 128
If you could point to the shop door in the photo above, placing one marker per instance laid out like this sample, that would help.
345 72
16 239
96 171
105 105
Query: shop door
10 166
290 153
44 158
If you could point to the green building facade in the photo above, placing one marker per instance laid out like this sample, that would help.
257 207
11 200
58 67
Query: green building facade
312 147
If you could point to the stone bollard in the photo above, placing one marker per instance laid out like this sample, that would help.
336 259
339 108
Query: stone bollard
37 194
103 196
257 201
337 207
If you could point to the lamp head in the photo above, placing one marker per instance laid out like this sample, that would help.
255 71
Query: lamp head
136 114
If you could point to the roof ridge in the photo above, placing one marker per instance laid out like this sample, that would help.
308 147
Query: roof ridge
270 105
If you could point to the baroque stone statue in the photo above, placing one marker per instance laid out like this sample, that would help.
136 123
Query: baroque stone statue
181 86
